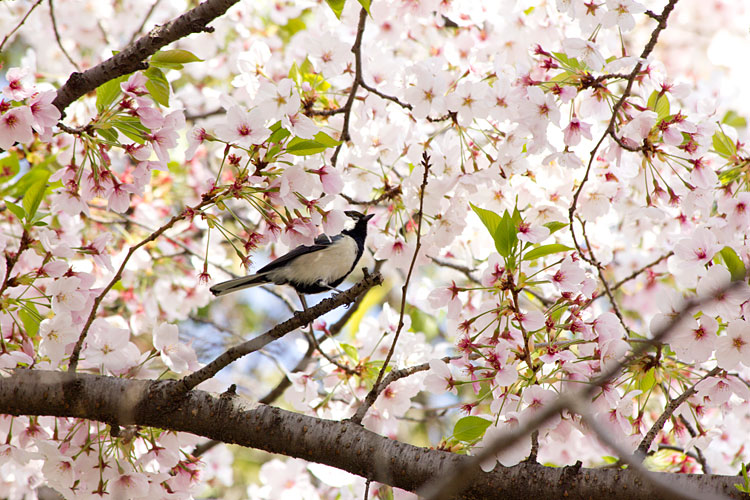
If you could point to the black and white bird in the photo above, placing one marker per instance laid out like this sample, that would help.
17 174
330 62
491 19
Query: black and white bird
310 269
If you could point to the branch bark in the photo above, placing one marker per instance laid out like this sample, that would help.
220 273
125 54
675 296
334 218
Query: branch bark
133 56
345 445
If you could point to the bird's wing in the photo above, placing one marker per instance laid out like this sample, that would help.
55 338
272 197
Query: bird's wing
321 242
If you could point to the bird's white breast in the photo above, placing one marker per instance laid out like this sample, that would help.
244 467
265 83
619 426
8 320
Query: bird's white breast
327 264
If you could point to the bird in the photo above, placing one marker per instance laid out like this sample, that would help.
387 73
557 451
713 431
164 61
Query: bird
310 269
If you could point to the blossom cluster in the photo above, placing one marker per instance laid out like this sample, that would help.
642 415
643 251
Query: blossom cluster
581 199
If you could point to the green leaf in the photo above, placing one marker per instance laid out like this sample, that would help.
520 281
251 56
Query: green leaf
337 6
278 133
9 166
131 127
506 235
471 428
732 119
555 226
545 250
30 318
16 210
305 147
157 85
570 62
365 5
659 103
295 75
108 134
108 92
173 59
733 263
723 144
34 197
350 351
326 140
489 218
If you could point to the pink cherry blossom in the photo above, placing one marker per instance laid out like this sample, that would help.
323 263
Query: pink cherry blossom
15 126
696 343
569 277
243 128
18 87
733 347
575 130
178 356
439 379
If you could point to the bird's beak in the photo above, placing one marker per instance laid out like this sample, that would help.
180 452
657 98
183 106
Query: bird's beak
368 217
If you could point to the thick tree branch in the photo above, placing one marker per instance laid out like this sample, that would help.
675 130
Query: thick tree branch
344 445
461 477
133 56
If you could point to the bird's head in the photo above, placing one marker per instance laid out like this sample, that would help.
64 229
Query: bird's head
359 218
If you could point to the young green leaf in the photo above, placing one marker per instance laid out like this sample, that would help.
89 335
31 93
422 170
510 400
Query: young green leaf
659 103
732 119
489 218
131 127
9 166
108 92
723 144
555 226
305 147
506 235
30 318
337 6
326 140
34 197
16 210
173 59
157 85
545 250
469 429
733 263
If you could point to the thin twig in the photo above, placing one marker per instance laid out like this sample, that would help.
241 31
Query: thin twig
269 398
451 484
668 411
698 452
133 56
662 24
143 21
637 272
299 319
357 50
373 394
20 23
382 95
207 200
600 271
605 436
57 36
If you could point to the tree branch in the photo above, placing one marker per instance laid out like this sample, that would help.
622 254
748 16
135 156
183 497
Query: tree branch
73 364
373 394
344 445
132 57
301 318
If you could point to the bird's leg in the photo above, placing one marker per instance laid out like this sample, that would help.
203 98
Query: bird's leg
323 284
302 301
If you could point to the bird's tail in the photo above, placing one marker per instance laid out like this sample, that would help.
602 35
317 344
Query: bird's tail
238 284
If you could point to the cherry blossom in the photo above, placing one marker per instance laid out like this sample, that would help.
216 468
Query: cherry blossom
243 128
15 126
733 348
